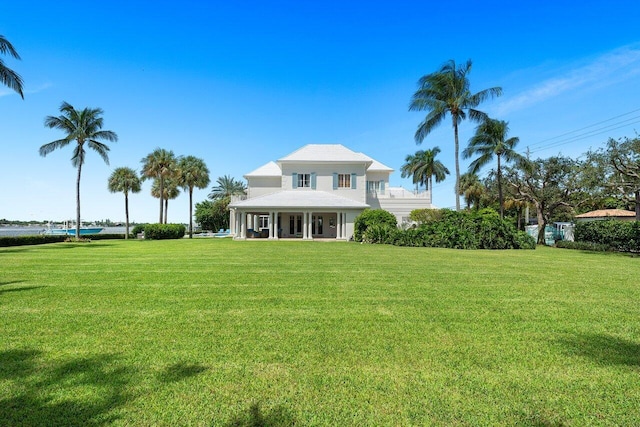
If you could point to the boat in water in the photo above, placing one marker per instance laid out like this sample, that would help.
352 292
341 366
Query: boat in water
65 230
72 231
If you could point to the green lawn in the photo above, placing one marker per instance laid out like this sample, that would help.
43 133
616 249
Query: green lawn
214 332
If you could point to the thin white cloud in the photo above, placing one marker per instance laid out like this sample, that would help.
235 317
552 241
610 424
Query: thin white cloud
4 91
612 67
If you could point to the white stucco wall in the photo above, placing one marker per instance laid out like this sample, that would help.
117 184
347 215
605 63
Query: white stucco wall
259 186
324 178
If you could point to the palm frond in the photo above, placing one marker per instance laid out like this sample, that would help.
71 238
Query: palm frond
52 146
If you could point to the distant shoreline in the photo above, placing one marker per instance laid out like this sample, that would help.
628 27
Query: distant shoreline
22 230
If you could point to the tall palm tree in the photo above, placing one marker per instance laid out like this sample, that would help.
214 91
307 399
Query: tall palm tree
159 165
447 92
83 127
170 191
227 186
472 189
193 174
491 140
423 166
8 77
125 180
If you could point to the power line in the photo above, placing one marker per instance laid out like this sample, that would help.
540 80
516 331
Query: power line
583 128
594 132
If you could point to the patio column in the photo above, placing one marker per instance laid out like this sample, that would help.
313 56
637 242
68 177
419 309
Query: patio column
270 224
232 221
344 225
243 231
310 225
304 225
276 226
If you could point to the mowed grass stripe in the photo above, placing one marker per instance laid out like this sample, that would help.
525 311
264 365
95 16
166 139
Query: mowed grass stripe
216 332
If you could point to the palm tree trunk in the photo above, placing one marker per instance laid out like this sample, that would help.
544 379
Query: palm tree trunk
541 224
456 149
500 189
126 215
78 201
191 212
161 198
637 205
166 209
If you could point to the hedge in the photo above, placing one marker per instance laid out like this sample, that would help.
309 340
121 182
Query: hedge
31 240
164 231
371 217
456 230
623 236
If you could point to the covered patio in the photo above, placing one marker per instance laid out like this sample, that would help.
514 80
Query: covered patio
295 214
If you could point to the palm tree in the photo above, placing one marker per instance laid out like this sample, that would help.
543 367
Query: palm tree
472 189
125 180
84 126
159 165
227 186
169 192
193 174
491 140
8 77
447 91
423 166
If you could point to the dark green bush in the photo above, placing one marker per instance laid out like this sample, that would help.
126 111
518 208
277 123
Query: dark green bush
370 217
31 240
583 246
619 235
137 229
164 231
456 230
423 216
381 233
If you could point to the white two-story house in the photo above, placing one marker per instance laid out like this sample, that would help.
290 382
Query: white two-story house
317 192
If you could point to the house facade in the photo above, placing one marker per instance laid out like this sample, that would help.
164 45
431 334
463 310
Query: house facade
317 192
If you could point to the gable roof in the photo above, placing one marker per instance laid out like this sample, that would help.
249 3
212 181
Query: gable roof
325 153
299 199
603 213
270 169
376 166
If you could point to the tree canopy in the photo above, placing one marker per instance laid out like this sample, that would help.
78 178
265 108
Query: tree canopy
447 92
82 127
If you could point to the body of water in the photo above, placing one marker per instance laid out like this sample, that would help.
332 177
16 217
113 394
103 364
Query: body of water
35 230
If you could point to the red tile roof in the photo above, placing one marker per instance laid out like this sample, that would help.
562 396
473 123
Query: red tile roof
602 213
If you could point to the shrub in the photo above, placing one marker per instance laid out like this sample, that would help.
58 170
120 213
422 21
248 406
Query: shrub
371 217
137 229
164 231
31 240
457 230
583 246
621 236
381 233
423 216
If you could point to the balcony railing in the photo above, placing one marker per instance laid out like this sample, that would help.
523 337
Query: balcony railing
238 198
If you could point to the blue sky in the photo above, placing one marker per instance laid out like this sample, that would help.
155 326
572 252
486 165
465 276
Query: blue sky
242 83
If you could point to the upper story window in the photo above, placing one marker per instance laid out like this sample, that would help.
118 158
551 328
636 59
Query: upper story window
373 186
344 180
304 180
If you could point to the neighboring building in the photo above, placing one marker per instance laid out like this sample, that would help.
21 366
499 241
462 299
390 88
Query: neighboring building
317 192
601 214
